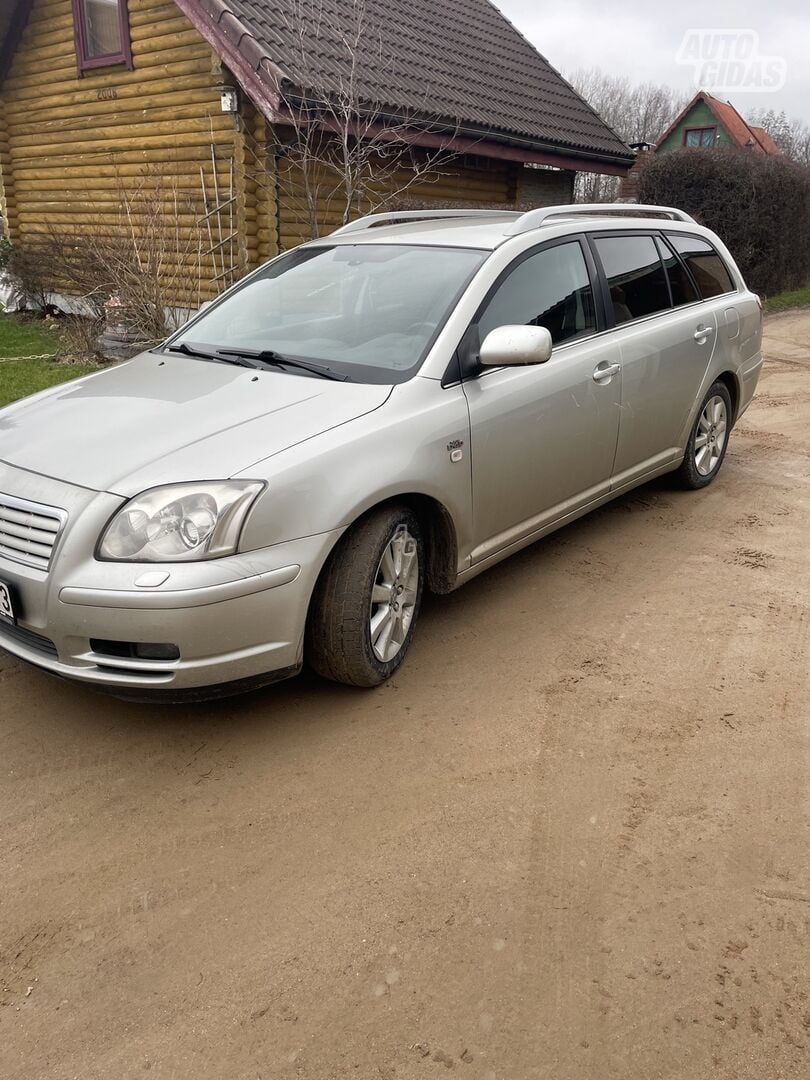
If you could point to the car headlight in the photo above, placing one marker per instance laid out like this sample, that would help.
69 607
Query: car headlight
180 522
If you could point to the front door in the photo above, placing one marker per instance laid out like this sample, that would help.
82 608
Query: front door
543 437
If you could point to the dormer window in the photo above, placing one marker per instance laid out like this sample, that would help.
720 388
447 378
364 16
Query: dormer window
102 33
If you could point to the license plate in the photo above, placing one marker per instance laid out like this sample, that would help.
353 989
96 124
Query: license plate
6 603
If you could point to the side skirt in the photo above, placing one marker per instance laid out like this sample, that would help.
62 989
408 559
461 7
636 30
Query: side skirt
552 526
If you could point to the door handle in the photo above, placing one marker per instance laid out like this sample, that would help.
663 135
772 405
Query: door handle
701 334
602 374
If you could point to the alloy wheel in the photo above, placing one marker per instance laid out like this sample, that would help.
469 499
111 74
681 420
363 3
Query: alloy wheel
711 434
394 595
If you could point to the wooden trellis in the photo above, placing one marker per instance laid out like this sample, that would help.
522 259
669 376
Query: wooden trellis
219 221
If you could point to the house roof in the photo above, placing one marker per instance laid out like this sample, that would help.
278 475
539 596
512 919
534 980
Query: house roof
765 141
740 132
460 63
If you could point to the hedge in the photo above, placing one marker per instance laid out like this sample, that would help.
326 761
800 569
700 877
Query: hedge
758 205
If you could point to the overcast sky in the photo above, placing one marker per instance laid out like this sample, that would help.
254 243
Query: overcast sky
642 39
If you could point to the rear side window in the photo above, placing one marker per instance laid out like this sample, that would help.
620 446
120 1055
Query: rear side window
708 269
683 289
635 276
551 288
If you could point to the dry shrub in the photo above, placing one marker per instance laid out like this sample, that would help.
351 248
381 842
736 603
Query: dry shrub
27 274
150 257
77 338
759 206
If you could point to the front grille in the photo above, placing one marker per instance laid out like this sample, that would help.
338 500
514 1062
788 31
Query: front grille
36 642
29 531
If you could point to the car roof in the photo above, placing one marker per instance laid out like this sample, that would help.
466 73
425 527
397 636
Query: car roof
489 231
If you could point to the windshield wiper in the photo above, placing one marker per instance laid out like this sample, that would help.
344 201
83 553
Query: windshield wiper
276 359
190 350
255 359
196 350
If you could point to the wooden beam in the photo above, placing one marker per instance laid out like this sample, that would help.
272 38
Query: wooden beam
262 95
487 147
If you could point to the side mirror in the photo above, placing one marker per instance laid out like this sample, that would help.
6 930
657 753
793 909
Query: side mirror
509 346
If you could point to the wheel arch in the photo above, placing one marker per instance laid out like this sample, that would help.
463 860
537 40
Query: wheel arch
438 531
439 535
441 541
732 384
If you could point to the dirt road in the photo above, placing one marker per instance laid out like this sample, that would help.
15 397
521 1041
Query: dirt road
568 841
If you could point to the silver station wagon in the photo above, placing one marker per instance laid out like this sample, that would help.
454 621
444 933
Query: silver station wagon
392 408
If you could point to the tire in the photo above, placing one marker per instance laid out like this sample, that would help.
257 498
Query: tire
708 441
360 595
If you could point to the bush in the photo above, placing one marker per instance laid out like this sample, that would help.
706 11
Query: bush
5 252
28 278
759 207
151 260
78 336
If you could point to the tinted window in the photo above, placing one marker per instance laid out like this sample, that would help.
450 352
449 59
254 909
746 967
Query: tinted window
635 274
551 289
708 269
683 290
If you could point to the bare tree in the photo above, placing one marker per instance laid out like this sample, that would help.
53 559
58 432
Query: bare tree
638 114
792 136
339 149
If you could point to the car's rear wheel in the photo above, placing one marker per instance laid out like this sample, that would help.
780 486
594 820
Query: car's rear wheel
709 439
367 601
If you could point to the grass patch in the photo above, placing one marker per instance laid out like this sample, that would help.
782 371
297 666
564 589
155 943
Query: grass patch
28 337
796 298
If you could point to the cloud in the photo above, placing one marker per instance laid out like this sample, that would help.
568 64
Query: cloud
641 40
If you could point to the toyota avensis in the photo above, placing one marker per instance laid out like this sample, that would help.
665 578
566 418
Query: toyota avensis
392 408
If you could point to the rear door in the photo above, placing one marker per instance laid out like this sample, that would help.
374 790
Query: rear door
738 315
666 337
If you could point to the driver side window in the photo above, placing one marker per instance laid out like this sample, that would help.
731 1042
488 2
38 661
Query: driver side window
551 288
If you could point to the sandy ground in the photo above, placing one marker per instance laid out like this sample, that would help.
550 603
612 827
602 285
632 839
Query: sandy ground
568 841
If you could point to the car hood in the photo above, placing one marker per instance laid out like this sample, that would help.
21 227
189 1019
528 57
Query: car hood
157 420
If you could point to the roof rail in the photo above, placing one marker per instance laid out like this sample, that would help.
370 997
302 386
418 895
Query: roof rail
535 218
395 216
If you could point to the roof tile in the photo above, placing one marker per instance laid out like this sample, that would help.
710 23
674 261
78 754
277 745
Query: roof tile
460 61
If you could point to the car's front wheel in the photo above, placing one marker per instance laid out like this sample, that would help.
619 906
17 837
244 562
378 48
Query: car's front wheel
709 439
367 601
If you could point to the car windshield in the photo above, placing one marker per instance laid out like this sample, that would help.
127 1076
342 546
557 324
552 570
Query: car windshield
368 312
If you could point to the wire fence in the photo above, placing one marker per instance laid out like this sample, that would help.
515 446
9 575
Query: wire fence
32 356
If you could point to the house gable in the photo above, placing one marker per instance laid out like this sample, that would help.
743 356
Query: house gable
700 116
704 112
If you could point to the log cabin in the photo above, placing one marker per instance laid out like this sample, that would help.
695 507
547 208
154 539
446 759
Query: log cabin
205 98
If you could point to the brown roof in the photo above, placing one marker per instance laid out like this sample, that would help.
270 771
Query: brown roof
740 132
460 62
765 141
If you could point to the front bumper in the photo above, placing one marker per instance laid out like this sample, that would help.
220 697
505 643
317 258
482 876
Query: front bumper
232 620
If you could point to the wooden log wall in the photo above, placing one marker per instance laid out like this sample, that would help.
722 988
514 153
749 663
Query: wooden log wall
70 144
262 167
75 148
457 182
